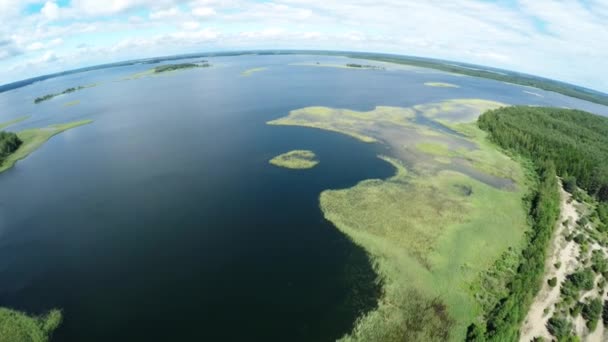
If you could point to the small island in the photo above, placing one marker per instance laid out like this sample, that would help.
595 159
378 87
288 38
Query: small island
441 85
67 91
364 66
296 160
173 67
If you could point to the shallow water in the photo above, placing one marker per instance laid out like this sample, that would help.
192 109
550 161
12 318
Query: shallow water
163 220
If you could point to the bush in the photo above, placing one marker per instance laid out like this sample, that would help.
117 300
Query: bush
558 264
552 282
569 183
559 327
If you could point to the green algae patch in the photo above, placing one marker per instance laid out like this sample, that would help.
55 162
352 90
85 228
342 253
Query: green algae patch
16 326
14 121
34 138
252 71
296 160
71 103
452 209
441 85
353 123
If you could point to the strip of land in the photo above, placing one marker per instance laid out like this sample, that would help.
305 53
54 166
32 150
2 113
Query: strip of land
32 139
67 91
252 71
441 85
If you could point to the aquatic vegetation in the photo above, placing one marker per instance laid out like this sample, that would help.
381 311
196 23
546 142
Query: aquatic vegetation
434 148
71 103
67 91
296 159
252 71
457 110
19 327
349 122
414 226
441 85
34 138
14 121
415 223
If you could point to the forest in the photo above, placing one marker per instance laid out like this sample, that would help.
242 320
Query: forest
9 143
575 141
568 143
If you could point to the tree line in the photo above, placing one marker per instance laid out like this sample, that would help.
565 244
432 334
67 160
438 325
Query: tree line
571 144
9 143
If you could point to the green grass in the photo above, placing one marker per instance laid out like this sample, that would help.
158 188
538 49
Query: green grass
296 159
432 233
36 137
12 122
19 327
441 85
252 71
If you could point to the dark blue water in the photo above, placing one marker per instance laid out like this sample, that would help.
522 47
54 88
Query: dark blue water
163 220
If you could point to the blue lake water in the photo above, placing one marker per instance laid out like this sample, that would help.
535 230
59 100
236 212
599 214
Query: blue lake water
163 220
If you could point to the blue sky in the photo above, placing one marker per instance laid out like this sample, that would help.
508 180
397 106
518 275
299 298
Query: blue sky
561 39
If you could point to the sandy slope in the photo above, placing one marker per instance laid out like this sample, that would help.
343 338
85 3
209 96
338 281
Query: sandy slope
561 251
566 253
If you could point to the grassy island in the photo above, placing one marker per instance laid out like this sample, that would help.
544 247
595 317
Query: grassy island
441 85
168 69
67 91
30 140
296 159
18 327
181 66
443 196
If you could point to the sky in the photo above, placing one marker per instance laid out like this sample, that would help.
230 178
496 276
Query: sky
565 40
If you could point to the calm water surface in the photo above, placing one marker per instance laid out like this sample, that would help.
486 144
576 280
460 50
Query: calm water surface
162 220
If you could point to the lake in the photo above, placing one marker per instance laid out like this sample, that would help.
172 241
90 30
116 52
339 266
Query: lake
163 220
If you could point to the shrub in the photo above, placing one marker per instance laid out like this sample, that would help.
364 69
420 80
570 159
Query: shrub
552 282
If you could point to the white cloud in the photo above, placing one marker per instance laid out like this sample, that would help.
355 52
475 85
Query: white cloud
163 14
203 12
50 10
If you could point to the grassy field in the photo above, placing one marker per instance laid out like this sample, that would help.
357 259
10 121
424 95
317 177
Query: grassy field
432 232
36 137
296 159
441 85
19 327
252 71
